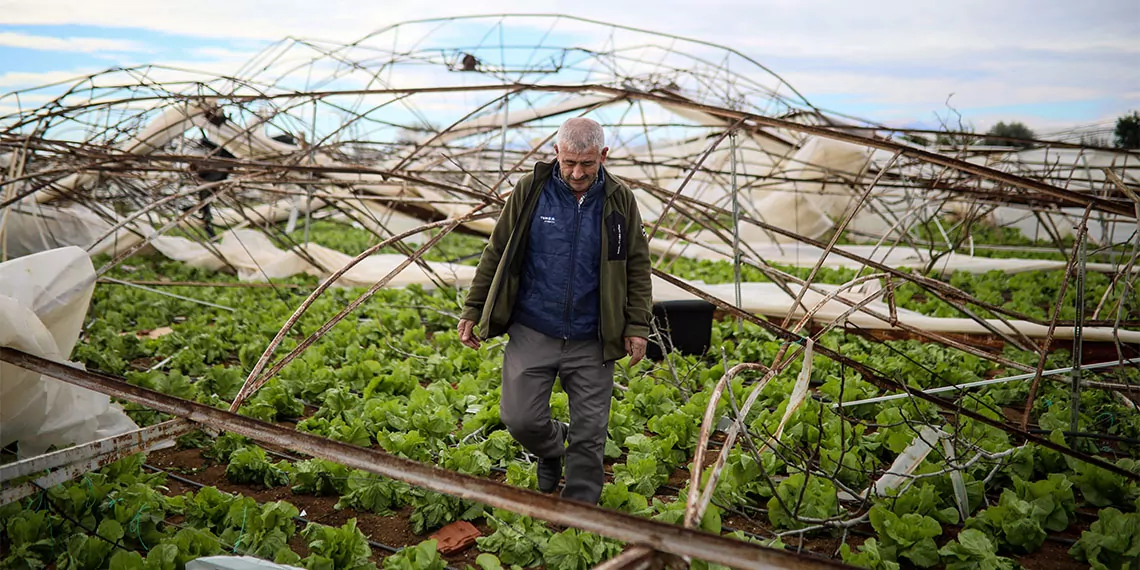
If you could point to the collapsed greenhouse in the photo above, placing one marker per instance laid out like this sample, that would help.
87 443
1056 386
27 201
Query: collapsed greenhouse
229 302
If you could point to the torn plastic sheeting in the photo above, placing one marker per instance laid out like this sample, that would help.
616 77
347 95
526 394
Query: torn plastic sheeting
806 255
235 563
44 299
32 228
907 461
798 396
769 299
256 259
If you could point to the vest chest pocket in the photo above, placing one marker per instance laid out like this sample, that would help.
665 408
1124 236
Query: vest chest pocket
615 226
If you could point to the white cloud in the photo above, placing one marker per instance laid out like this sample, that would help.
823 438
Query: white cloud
33 79
891 90
902 55
222 54
69 44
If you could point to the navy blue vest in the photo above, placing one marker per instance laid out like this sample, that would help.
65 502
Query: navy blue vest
558 293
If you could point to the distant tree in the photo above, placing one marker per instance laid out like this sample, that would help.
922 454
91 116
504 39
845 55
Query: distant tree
914 138
964 138
1127 131
1013 129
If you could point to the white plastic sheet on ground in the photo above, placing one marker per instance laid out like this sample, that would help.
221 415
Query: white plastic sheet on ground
805 255
256 258
769 299
234 563
43 301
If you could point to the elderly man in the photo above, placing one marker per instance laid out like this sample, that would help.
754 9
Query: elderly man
566 273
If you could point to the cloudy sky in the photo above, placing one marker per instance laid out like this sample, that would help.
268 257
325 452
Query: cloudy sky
1052 64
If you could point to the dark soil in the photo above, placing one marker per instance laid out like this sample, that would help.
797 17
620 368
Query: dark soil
1051 556
393 531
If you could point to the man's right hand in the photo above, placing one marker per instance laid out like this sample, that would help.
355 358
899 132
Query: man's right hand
467 333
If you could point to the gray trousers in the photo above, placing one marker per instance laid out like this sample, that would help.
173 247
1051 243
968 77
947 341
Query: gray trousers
530 363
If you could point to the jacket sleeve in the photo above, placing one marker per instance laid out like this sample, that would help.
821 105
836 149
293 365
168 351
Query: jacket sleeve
493 252
639 278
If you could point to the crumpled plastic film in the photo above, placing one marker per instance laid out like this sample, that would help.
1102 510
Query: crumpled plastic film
44 299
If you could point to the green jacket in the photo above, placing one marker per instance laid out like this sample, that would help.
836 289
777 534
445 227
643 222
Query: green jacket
625 287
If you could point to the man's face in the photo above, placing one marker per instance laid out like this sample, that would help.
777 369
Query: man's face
579 169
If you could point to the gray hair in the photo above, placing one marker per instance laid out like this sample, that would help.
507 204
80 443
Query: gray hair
581 135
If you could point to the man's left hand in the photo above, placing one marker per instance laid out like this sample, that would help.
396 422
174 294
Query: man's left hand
635 348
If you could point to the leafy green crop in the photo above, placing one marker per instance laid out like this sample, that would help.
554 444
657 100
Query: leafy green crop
422 556
649 463
432 510
272 402
319 477
803 496
617 496
869 555
30 539
972 550
1101 487
249 465
225 445
910 536
1024 514
674 512
1013 521
343 548
1057 492
924 499
518 540
575 550
374 493
468 459
90 552
1112 542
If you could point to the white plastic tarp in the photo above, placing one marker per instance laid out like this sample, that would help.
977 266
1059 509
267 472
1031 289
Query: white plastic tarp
234 563
43 302
256 258
805 255
769 299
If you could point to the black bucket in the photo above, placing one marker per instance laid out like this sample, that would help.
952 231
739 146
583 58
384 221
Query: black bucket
686 326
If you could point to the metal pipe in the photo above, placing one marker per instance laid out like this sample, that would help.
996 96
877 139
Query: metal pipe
148 435
1075 393
989 382
81 467
735 226
165 293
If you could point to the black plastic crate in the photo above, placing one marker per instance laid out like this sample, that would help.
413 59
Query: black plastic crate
686 326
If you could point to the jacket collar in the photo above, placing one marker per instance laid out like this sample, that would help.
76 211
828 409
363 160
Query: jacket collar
595 187
544 170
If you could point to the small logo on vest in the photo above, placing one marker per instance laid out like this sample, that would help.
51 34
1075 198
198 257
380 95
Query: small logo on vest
547 219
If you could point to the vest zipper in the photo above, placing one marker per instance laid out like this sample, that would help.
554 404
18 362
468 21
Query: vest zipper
568 313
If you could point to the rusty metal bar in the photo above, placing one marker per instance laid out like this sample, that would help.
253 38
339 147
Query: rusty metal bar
689 176
1053 325
1055 371
129 444
148 435
652 534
